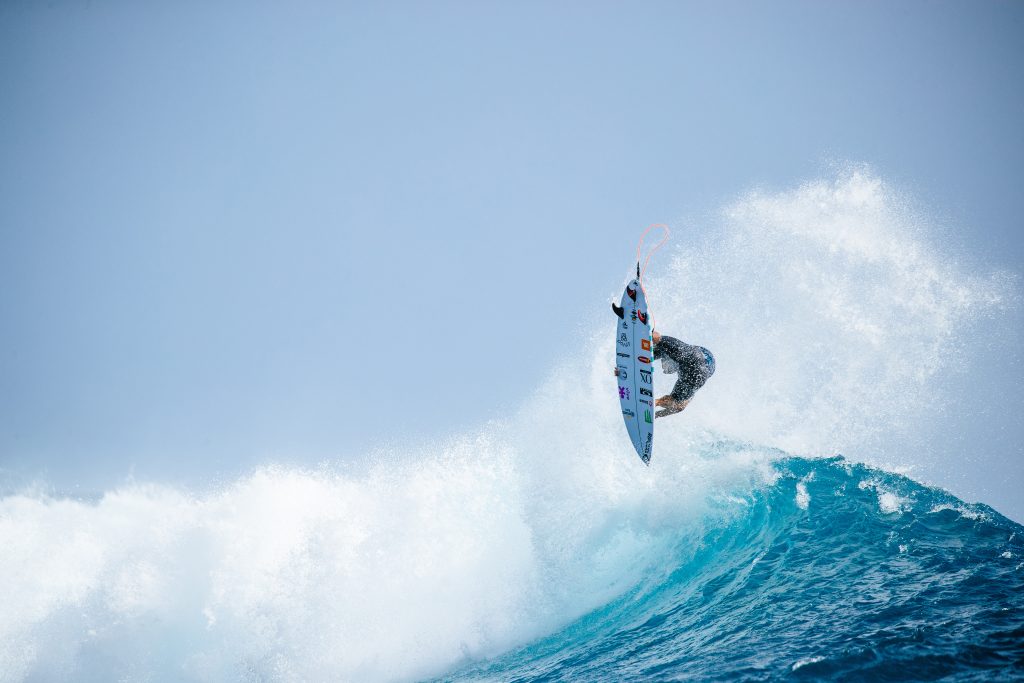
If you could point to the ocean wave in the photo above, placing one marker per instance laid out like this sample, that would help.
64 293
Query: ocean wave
539 547
842 587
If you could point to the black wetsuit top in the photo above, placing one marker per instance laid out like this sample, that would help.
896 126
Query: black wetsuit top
696 364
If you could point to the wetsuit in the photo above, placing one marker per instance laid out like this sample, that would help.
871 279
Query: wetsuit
693 363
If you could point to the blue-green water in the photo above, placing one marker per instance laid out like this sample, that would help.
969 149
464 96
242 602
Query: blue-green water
835 571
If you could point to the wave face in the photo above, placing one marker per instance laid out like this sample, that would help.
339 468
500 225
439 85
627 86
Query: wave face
540 547
834 571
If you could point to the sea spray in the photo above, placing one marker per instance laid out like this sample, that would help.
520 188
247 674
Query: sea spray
393 573
542 536
830 312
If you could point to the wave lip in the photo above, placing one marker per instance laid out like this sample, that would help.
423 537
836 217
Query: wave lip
875 577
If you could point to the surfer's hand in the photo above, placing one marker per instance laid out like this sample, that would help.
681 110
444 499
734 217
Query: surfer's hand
616 372
676 408
671 406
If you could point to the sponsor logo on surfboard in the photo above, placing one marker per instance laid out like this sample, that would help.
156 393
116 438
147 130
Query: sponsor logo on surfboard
628 413
624 339
631 293
622 373
645 375
643 392
644 359
620 354
645 344
624 392
647 419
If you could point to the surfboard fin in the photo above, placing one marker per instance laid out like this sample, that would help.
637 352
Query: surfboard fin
618 311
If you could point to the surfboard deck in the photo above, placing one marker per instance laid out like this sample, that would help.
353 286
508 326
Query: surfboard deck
633 360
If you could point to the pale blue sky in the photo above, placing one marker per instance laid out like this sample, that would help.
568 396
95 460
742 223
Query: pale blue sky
199 201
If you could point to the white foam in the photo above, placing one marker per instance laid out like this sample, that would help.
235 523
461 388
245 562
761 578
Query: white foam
889 502
803 499
393 573
962 510
829 314
801 663
402 569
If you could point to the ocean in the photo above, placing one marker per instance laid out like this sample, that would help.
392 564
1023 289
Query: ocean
791 525
828 570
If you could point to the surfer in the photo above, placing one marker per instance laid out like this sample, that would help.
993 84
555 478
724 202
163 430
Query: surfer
693 364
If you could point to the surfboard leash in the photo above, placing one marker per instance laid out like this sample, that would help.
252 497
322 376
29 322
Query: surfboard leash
640 272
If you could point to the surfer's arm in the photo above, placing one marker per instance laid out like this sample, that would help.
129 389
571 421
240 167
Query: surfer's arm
671 347
670 406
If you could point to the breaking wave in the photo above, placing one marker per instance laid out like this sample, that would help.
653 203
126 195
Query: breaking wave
540 547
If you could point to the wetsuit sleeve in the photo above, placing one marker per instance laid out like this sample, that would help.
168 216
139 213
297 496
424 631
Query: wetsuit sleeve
673 348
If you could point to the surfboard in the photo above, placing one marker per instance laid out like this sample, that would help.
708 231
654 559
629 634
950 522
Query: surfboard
633 360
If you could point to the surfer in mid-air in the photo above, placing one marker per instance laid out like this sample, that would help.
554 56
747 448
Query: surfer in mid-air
693 364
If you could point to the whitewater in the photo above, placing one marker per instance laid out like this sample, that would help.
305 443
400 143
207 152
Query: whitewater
771 537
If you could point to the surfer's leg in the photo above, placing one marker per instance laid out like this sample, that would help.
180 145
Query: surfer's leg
683 389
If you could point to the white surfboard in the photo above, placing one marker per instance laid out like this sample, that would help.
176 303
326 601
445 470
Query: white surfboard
633 360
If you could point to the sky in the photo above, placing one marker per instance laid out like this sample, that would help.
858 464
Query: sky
238 232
